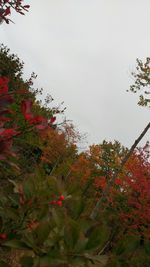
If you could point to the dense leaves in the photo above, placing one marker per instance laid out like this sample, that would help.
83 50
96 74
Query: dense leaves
49 189
142 82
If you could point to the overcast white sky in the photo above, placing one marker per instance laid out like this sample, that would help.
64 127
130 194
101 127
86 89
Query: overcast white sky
83 52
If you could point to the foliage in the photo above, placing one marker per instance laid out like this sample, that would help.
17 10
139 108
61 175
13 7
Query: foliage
24 117
50 189
6 7
134 189
51 231
142 81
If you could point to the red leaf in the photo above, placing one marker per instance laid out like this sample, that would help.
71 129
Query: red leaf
118 181
4 85
5 100
100 182
26 106
4 119
7 132
28 116
41 122
52 119
5 149
41 126
7 11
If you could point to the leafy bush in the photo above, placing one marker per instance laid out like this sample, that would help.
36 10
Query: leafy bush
49 189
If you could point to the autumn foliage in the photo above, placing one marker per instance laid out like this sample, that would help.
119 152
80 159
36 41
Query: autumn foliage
49 188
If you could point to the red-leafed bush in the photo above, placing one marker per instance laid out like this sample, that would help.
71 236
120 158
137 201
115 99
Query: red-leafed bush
6 133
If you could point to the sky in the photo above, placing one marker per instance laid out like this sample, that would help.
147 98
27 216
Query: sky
83 52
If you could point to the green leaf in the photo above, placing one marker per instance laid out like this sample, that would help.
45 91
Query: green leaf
85 224
48 261
41 233
81 244
127 245
101 260
147 246
52 183
26 261
71 233
29 240
3 264
42 213
57 217
114 263
16 244
76 207
10 213
29 189
97 237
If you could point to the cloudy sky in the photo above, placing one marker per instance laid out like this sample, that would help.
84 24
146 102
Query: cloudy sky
83 52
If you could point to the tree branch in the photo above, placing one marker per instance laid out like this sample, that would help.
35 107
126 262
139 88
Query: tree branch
111 182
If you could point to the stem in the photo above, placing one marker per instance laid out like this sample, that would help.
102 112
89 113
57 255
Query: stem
55 166
95 211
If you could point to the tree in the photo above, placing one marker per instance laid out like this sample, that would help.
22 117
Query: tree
142 82
34 200
45 209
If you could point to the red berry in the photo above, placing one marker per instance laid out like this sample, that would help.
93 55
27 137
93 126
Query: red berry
59 203
61 198
53 202
3 236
